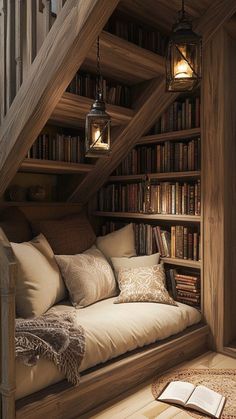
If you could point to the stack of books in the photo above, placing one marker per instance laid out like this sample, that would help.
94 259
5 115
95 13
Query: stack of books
183 114
185 288
58 147
84 84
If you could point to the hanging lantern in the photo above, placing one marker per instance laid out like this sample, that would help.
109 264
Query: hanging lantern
183 61
98 122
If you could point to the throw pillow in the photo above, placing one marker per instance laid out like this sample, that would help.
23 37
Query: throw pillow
135 262
143 284
69 235
39 284
88 277
120 243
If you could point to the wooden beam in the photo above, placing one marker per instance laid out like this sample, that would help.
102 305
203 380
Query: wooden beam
216 15
219 184
152 104
63 51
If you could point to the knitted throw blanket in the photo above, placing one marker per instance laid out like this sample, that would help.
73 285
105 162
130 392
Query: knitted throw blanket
53 336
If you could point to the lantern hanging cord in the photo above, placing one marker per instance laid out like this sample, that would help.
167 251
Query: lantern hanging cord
99 76
182 10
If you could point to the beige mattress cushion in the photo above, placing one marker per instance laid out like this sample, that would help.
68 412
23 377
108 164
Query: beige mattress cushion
39 283
111 330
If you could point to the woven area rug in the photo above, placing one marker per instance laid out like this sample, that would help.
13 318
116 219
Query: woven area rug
222 381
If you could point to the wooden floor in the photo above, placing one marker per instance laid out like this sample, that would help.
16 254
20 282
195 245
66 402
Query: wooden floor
139 403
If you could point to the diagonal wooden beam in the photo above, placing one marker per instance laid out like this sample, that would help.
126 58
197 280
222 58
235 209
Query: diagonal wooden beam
215 16
153 101
63 51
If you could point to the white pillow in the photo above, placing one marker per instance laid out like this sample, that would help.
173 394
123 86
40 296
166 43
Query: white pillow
120 243
88 277
39 284
135 262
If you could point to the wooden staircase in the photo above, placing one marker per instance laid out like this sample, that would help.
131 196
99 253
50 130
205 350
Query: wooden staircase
37 70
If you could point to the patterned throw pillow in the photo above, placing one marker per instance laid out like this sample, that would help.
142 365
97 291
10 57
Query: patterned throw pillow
88 277
145 284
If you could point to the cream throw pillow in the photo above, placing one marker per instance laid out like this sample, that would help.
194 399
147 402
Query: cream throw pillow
88 277
135 262
143 284
39 283
120 243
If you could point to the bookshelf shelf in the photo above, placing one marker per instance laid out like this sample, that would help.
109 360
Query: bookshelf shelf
126 61
183 262
161 217
72 109
169 136
54 167
157 176
38 204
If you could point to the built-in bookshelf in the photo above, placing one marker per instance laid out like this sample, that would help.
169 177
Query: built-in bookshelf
165 168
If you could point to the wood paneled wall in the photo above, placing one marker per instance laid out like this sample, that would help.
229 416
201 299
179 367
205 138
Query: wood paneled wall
219 185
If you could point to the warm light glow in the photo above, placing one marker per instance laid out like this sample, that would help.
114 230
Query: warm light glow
97 139
182 70
97 136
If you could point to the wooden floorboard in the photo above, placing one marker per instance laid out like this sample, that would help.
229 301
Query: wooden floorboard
139 403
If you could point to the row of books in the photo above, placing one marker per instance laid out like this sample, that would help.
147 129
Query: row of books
184 288
180 242
176 198
164 198
182 114
162 158
84 84
58 147
137 33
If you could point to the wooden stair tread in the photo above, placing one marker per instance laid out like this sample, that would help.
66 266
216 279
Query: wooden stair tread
72 109
124 60
54 167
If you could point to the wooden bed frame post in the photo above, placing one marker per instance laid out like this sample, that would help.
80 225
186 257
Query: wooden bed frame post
8 270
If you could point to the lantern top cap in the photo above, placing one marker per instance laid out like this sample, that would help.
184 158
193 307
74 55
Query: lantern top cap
182 29
98 108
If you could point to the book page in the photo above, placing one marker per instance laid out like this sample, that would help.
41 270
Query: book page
177 392
205 399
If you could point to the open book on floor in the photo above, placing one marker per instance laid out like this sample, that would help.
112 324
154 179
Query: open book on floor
199 398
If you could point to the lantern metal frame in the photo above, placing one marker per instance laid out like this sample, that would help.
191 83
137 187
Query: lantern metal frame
95 147
183 37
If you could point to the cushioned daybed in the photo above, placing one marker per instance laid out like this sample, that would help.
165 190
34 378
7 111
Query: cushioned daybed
111 330
124 342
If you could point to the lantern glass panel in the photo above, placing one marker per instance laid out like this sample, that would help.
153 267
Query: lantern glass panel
97 135
183 65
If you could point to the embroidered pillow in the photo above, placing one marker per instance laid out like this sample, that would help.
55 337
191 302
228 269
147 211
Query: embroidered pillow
145 284
88 277
135 262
